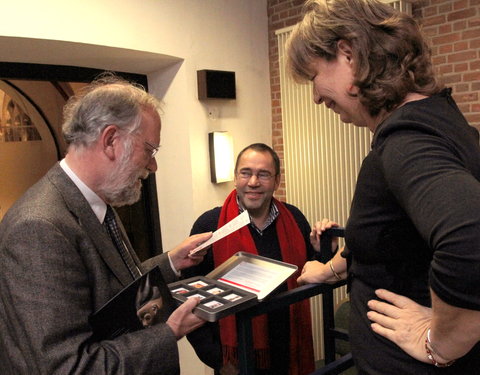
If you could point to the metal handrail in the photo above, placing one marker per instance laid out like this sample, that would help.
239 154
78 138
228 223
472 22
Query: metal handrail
244 318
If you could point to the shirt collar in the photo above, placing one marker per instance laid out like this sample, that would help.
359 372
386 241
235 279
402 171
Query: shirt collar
98 206
272 215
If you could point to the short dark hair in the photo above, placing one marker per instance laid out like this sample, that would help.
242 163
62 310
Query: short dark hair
261 147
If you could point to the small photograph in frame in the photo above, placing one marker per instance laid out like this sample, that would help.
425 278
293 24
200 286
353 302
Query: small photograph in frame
215 290
196 295
213 304
198 284
180 290
232 297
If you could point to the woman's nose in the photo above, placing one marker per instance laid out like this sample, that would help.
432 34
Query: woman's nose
316 96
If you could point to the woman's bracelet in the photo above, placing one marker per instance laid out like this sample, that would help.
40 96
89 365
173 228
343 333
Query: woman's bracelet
337 276
431 353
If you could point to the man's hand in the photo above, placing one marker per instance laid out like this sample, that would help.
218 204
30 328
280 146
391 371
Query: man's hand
180 255
318 228
182 320
402 321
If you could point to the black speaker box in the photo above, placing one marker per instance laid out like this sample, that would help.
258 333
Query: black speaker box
216 84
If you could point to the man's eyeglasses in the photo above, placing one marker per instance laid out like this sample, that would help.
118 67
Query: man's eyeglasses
153 149
261 175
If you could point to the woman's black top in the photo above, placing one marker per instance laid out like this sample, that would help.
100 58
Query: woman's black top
414 225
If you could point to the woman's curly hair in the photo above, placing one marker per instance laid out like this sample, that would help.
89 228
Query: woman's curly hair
391 57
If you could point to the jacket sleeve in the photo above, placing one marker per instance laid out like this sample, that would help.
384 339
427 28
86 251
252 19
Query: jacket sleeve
49 288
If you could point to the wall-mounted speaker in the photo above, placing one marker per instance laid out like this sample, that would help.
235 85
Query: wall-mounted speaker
216 84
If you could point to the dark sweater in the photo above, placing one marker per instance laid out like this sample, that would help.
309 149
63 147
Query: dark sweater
414 225
206 340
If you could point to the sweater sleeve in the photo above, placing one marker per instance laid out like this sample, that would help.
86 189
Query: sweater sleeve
442 199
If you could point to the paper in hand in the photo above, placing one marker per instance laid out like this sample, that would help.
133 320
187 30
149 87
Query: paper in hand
233 225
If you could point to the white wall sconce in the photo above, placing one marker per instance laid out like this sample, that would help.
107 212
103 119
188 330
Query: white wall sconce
220 146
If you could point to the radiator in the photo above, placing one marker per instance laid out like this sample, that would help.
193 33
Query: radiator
322 158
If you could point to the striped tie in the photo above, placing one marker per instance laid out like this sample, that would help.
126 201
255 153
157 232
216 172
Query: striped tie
116 236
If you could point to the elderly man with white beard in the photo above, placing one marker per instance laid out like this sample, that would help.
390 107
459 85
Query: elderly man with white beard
60 263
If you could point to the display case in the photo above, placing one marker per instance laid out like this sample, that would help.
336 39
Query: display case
242 281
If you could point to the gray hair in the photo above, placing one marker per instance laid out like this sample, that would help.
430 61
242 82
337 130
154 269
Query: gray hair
109 100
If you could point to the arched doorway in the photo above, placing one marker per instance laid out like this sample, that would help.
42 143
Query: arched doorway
28 147
40 92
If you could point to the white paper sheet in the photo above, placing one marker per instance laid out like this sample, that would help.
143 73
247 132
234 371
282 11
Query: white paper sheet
233 225
249 276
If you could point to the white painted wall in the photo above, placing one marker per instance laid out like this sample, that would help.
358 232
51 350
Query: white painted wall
169 40
144 36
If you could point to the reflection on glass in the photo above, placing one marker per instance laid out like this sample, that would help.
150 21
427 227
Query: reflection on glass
15 124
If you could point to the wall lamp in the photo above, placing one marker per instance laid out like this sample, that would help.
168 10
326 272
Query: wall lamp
220 145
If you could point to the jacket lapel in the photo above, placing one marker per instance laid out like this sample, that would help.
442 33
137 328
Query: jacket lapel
86 218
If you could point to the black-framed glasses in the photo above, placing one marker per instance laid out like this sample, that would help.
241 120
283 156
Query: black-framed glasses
246 174
153 149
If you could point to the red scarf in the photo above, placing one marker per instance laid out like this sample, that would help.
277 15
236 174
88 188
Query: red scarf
293 250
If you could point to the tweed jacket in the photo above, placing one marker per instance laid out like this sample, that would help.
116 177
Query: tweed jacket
57 266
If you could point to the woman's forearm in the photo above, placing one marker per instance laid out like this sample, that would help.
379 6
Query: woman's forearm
330 272
453 330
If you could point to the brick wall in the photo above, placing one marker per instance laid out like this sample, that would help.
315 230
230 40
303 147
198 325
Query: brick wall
454 29
281 13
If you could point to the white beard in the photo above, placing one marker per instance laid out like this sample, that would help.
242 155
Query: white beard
123 186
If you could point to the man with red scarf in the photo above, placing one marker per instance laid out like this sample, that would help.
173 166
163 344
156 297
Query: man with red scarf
282 339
